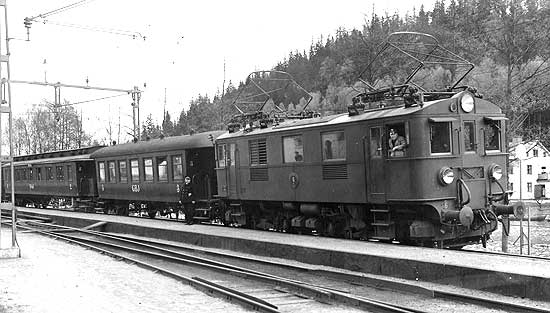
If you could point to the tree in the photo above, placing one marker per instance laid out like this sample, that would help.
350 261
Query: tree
46 127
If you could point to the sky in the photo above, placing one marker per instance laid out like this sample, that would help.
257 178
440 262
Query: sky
186 45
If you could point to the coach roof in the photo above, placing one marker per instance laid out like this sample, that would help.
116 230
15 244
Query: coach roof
200 140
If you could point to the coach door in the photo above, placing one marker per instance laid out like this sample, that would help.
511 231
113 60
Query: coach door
375 158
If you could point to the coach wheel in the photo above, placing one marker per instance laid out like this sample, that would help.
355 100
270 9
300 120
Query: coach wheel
152 214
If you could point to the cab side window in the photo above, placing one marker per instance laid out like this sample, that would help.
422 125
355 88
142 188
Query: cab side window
398 139
440 137
376 142
334 146
293 149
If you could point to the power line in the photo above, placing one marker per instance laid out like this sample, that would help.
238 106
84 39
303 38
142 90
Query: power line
59 10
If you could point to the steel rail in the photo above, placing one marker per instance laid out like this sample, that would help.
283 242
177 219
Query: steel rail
336 294
249 301
321 294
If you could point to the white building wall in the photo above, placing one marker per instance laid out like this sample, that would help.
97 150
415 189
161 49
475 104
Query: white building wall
523 156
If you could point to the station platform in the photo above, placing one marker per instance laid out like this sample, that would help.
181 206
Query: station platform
502 274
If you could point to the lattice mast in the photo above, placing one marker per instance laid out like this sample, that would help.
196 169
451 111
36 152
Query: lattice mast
6 108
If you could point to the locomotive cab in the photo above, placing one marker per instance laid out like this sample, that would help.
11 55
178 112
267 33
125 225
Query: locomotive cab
448 185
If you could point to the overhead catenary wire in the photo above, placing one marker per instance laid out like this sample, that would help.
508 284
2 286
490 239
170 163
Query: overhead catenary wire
59 10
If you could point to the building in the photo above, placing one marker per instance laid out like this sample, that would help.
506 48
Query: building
529 164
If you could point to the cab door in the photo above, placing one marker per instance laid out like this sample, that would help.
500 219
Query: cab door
376 178
233 172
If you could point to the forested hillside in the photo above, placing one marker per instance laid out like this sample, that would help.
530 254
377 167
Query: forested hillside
508 41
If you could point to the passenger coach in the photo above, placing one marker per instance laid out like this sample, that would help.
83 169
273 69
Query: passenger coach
55 178
148 175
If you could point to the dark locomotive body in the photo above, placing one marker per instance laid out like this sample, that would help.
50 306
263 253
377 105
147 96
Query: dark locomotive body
58 178
357 189
148 175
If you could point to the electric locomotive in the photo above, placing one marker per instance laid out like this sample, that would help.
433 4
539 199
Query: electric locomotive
341 175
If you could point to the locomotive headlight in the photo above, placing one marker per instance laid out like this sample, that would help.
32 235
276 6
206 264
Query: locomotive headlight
446 176
467 102
495 171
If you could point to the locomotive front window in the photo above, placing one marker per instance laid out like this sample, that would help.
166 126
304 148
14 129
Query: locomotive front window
122 172
440 137
334 146
134 170
221 153
492 136
101 172
469 136
112 172
177 168
162 168
293 149
148 167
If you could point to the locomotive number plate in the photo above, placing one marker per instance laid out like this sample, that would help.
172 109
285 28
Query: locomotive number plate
135 188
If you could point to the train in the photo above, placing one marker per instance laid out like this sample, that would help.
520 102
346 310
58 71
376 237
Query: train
403 164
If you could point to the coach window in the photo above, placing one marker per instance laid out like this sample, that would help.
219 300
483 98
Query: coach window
492 136
177 167
334 146
49 173
122 171
134 170
376 142
112 172
162 168
148 169
101 172
69 173
469 136
440 137
59 173
38 173
293 149
31 173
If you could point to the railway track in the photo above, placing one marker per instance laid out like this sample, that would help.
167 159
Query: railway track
277 287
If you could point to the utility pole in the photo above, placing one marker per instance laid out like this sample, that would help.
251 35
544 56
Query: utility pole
135 93
6 107
223 84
